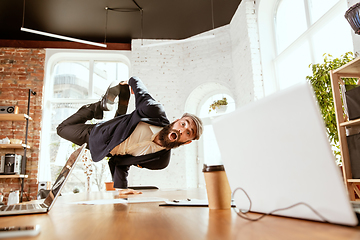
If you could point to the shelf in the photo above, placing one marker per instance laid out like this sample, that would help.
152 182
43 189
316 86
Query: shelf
14 146
14 117
14 176
350 123
351 69
354 181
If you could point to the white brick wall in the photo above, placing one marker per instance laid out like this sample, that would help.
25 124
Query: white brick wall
172 72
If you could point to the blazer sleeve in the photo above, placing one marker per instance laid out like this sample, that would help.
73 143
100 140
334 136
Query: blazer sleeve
119 165
146 105
119 174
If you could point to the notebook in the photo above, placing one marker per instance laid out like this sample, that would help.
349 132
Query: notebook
46 205
276 149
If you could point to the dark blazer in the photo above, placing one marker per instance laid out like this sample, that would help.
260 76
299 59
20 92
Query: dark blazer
107 135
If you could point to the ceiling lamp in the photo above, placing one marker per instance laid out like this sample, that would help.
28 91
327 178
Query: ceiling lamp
58 36
353 17
62 37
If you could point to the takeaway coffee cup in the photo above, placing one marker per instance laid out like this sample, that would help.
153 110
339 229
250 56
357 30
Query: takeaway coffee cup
217 187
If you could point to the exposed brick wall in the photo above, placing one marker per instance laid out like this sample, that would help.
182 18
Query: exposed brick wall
21 70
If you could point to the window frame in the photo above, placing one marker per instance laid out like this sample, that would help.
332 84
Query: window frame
53 57
268 44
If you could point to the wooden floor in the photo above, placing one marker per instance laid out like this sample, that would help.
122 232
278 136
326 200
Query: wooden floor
150 221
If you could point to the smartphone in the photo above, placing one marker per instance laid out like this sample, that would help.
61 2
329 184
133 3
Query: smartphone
19 231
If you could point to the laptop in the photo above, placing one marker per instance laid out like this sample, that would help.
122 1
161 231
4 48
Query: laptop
276 149
46 205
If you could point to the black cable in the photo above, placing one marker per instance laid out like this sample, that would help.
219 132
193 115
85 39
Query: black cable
242 213
124 9
212 14
142 25
106 21
138 9
23 14
137 5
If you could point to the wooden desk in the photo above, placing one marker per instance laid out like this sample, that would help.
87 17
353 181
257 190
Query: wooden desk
149 221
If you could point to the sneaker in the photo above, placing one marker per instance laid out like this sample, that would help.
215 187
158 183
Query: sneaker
111 97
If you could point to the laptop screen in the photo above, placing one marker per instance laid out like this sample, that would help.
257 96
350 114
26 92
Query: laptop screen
276 149
64 175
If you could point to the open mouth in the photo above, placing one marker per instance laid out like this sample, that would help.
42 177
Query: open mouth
173 136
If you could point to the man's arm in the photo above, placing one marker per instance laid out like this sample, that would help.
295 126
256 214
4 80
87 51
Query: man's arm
128 191
120 165
146 105
140 91
119 174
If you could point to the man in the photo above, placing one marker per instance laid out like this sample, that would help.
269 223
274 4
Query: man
142 138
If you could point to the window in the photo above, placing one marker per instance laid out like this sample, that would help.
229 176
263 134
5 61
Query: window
72 81
209 150
302 31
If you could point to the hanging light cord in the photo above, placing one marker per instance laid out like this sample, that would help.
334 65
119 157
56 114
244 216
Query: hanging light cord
242 213
212 14
23 14
106 20
138 9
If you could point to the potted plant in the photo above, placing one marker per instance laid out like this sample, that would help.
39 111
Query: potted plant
321 83
219 105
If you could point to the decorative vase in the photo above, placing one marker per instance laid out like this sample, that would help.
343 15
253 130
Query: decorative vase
109 186
88 183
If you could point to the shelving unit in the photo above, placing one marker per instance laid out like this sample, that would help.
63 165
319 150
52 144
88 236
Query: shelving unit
14 146
14 176
16 117
349 70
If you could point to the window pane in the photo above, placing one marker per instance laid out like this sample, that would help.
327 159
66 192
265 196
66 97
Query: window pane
107 72
211 150
336 44
71 80
290 22
204 111
319 7
75 80
61 149
294 67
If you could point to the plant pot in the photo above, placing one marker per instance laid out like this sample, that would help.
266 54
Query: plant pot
109 186
221 109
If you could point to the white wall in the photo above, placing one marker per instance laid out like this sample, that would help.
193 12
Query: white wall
181 75
173 71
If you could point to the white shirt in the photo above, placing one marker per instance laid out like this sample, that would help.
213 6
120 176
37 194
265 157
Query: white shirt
140 142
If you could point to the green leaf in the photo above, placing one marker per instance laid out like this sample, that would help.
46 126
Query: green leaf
321 82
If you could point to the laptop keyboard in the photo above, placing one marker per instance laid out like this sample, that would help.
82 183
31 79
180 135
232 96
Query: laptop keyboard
20 207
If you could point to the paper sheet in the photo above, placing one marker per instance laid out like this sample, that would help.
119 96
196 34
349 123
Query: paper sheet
187 202
121 200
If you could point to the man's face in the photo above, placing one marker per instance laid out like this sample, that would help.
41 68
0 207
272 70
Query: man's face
182 131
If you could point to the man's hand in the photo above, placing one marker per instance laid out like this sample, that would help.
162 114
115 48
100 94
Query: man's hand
126 82
128 191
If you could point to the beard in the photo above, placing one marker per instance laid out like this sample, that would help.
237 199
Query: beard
164 139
